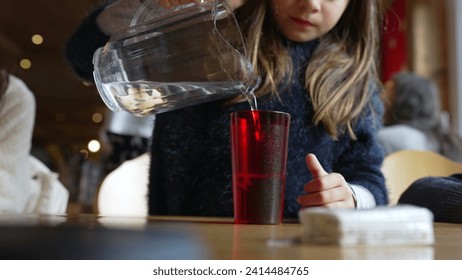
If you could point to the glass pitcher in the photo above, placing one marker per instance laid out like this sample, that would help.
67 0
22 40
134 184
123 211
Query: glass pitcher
171 59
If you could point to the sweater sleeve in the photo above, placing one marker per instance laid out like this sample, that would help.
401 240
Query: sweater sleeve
83 43
17 117
94 32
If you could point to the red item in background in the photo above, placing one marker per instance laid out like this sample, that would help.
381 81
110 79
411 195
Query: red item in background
394 43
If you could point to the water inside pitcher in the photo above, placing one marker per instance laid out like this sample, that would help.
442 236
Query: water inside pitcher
171 59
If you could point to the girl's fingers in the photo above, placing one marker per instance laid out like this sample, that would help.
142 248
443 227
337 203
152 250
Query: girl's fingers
333 196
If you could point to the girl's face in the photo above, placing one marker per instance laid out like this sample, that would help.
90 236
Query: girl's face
305 20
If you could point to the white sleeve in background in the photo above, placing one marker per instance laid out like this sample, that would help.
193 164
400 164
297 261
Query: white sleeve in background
364 198
17 117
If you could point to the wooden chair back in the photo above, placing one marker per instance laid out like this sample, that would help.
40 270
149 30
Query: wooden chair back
403 167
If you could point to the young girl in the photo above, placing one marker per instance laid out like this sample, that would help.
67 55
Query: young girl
317 60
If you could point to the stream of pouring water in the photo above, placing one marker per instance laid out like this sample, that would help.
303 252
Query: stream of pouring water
252 99
250 91
250 94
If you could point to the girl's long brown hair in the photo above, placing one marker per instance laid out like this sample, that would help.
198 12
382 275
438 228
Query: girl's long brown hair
341 71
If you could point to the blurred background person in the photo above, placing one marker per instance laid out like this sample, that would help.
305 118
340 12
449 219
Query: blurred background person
414 119
26 184
17 119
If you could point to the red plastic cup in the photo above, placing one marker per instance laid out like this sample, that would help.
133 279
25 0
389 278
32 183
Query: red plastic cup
259 142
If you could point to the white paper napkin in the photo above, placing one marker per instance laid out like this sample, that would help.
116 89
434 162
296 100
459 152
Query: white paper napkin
385 225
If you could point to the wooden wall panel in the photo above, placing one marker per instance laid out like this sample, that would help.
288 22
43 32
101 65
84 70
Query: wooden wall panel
428 42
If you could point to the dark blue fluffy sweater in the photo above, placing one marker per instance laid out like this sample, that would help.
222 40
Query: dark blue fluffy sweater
190 171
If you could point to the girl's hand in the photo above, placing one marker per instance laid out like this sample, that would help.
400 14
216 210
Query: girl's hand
326 190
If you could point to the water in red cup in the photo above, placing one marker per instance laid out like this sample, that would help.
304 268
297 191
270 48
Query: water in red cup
259 142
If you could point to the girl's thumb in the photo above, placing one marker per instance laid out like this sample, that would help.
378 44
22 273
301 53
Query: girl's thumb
314 166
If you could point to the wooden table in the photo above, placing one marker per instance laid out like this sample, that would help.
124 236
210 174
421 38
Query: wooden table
163 237
226 240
